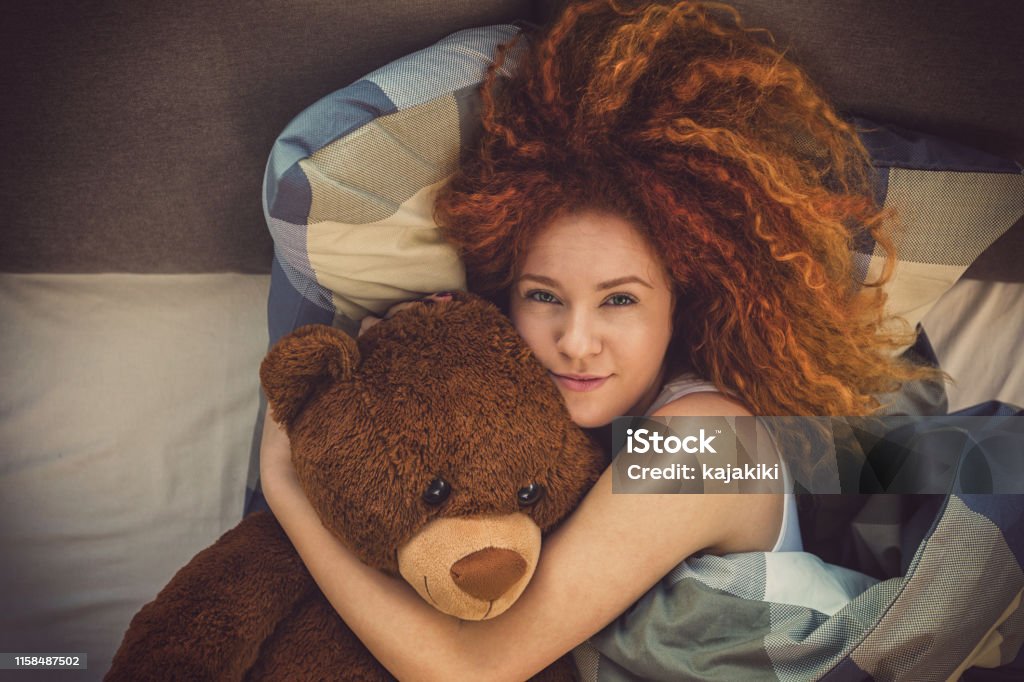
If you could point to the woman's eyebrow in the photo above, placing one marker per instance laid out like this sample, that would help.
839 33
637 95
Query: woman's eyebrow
540 279
619 281
610 284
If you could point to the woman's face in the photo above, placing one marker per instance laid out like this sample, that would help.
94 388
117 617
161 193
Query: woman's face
595 306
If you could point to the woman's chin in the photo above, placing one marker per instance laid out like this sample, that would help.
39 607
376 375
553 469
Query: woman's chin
594 409
589 416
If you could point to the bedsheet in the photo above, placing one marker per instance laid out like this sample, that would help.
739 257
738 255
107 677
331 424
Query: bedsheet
126 414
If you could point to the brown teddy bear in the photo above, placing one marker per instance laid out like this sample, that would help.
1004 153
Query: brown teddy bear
436 447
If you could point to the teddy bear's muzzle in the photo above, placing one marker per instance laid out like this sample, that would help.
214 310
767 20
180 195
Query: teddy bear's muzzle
472 568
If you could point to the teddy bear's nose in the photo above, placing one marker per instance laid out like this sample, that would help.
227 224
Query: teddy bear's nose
488 573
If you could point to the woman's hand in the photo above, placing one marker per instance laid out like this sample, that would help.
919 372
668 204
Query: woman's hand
371 320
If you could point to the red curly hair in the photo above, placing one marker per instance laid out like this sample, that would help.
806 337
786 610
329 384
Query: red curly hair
731 164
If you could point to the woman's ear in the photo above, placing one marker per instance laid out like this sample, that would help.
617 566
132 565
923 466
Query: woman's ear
302 362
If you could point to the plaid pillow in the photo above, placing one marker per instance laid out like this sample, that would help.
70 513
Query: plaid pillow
350 185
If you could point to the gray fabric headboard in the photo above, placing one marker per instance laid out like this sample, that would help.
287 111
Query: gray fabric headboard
134 134
954 69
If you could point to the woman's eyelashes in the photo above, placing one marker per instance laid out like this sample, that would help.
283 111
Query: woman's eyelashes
541 296
620 300
615 300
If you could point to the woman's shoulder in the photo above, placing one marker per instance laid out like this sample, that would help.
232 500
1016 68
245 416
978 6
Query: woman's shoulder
772 522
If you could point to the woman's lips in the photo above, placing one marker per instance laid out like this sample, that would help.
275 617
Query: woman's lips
579 383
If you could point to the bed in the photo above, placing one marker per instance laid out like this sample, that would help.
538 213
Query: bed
136 267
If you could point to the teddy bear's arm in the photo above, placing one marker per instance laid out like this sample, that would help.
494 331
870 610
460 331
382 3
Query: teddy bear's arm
210 621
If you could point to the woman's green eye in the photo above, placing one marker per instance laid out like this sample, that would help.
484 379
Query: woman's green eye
621 299
542 297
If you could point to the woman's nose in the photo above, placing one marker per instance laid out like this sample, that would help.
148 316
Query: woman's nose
578 338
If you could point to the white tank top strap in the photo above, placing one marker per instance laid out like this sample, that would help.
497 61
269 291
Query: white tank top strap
789 539
682 385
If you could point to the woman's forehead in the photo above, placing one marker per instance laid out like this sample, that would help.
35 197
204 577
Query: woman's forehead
593 245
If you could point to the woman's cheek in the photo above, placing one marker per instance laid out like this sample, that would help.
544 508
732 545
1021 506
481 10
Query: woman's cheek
647 336
534 329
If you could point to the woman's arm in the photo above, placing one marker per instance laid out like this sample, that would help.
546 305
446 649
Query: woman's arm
610 551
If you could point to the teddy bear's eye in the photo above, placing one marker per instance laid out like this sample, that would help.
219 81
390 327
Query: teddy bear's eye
529 495
437 491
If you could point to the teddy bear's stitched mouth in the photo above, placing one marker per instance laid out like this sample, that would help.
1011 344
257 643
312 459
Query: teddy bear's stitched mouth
426 586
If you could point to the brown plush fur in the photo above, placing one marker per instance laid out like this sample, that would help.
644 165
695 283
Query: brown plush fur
446 389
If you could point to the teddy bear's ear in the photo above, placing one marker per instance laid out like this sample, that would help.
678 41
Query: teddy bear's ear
302 362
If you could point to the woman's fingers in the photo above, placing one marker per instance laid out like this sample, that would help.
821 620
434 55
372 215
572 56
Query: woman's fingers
432 298
368 322
399 307
371 320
